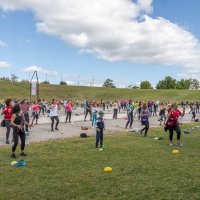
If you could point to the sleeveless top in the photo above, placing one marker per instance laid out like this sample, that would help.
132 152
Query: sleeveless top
19 121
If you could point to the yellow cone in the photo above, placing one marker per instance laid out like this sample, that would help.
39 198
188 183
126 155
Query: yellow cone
175 151
107 169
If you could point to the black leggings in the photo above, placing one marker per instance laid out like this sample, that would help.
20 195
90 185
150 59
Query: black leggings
52 121
115 114
175 128
16 135
193 115
69 114
88 111
130 119
146 128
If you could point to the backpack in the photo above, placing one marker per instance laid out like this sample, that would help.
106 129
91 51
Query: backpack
83 135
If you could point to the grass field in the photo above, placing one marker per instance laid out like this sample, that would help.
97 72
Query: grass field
143 168
22 90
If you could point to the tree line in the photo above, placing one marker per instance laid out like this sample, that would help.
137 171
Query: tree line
167 83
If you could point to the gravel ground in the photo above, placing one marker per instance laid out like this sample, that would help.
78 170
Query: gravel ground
42 131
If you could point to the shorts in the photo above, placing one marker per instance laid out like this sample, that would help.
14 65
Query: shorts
35 115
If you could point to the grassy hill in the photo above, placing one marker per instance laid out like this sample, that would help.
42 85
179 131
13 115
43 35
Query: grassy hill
22 90
143 169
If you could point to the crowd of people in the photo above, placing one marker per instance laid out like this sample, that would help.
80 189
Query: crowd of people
21 116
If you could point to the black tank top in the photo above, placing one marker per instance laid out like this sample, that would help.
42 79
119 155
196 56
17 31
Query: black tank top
19 120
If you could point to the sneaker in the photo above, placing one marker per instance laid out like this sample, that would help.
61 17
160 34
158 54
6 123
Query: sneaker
22 154
101 149
13 156
179 144
57 129
7 142
170 144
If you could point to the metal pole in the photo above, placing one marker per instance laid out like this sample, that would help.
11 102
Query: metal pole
78 79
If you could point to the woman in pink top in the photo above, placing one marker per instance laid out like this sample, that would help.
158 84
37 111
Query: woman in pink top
35 113
115 109
7 112
69 111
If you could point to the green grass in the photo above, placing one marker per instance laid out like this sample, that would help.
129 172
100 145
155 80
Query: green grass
143 168
22 90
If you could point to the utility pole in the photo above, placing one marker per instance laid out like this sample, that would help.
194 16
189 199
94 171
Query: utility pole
78 79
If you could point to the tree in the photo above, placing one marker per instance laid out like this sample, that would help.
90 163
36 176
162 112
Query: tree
5 79
14 78
45 82
109 83
183 84
145 85
63 83
194 84
167 83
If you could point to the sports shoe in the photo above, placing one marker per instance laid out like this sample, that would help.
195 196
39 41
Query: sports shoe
7 142
22 154
179 144
13 156
57 129
170 144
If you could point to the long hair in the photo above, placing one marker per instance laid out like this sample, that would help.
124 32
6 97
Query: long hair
16 109
144 106
7 102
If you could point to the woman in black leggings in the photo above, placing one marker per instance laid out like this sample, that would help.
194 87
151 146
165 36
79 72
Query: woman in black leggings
18 122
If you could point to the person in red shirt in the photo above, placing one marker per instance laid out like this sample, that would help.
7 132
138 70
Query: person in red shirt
7 112
173 124
36 108
69 111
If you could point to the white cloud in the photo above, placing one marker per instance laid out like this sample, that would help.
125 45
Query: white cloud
70 82
2 44
187 74
40 70
4 64
114 30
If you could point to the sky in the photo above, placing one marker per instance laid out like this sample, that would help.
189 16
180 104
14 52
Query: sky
92 40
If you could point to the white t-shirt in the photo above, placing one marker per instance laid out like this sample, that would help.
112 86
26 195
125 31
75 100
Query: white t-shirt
53 110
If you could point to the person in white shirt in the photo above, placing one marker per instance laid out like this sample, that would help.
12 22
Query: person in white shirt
54 115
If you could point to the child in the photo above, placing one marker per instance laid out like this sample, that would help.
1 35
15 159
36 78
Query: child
100 127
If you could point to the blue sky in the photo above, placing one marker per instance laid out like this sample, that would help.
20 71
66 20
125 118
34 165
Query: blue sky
30 38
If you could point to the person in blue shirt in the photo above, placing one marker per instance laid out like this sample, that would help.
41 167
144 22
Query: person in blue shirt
130 109
100 127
